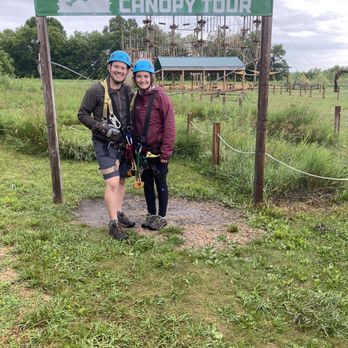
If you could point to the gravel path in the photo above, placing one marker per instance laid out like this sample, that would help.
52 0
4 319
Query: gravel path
204 223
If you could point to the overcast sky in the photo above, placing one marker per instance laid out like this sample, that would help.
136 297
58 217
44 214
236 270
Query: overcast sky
314 32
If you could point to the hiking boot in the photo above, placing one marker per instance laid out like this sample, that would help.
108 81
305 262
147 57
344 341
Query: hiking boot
115 231
149 219
124 220
158 223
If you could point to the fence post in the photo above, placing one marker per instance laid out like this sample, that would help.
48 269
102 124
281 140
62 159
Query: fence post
338 93
281 90
337 119
300 91
189 123
323 91
216 145
224 99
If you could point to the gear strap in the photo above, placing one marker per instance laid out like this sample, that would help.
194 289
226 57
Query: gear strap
142 139
110 105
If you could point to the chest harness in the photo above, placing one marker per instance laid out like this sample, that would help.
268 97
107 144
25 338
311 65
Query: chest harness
109 106
141 160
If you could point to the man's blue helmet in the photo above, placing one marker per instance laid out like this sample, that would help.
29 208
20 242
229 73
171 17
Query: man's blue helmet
144 65
120 56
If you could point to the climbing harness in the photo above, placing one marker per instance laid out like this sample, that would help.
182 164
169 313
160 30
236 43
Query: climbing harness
108 106
141 159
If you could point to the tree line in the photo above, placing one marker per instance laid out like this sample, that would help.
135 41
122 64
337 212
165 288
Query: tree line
86 53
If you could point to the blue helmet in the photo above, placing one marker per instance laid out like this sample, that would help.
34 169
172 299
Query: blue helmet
120 56
144 65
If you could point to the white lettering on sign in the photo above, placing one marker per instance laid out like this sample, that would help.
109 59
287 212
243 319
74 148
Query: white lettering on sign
232 8
151 6
185 6
165 6
190 4
124 8
138 6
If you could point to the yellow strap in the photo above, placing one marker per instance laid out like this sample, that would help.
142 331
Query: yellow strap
107 100
133 101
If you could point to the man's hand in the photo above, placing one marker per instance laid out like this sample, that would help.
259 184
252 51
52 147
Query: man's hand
108 131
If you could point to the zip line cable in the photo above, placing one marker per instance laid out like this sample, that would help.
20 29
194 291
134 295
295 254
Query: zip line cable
73 71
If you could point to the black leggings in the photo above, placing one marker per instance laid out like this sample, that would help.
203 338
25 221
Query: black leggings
156 174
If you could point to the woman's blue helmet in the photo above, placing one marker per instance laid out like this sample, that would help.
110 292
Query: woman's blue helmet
120 56
144 65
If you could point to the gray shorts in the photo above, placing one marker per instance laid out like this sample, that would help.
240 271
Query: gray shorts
109 158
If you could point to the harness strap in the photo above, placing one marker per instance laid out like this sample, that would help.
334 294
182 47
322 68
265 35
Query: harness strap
107 101
142 139
147 119
112 169
108 104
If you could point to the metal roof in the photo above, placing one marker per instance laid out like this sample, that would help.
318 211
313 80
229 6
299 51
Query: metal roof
198 63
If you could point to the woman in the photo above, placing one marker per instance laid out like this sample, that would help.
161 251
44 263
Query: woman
154 128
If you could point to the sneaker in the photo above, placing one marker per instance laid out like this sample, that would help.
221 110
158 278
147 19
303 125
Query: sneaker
158 223
149 219
115 231
124 220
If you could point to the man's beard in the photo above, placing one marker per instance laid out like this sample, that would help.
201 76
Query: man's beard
118 82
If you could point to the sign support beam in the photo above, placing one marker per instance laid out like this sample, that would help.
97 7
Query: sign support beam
266 36
50 109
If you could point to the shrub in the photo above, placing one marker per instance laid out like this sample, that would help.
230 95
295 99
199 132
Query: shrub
188 147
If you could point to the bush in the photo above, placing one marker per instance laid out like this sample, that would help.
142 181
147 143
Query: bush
188 147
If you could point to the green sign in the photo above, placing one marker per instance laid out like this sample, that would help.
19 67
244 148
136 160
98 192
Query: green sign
153 7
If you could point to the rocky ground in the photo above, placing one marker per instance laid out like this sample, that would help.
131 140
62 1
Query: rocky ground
204 223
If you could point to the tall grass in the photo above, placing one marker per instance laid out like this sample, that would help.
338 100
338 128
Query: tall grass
297 135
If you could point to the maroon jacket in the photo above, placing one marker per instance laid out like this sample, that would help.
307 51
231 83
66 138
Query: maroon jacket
161 131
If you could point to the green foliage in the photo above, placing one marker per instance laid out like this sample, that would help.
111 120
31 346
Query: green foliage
298 123
187 147
73 286
6 64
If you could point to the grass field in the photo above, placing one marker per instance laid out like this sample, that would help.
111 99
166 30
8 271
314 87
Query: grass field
64 284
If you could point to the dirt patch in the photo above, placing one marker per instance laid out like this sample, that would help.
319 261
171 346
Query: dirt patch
204 223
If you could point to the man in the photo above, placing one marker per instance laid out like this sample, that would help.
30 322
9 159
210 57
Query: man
108 101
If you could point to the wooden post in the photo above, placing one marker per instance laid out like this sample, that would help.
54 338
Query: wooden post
323 91
183 80
260 146
274 89
290 89
189 123
216 144
337 125
338 93
300 91
224 99
50 109
281 90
